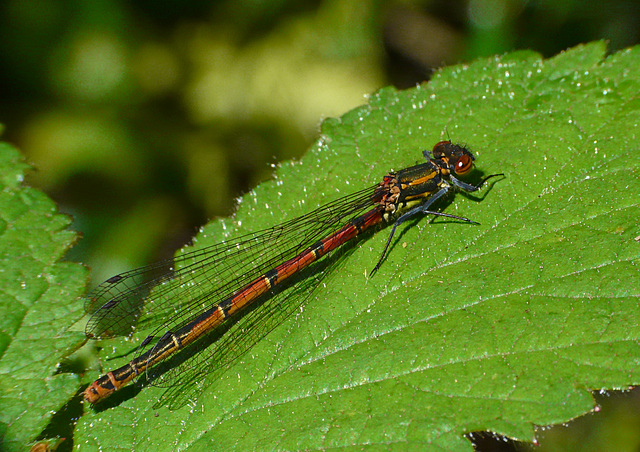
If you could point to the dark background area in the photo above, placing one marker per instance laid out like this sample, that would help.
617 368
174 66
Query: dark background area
145 119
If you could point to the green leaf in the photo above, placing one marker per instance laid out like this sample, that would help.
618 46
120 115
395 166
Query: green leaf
498 327
39 300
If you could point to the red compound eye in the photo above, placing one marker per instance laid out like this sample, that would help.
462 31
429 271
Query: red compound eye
464 164
441 149
441 146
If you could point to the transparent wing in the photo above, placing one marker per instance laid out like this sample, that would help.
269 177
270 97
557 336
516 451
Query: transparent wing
167 295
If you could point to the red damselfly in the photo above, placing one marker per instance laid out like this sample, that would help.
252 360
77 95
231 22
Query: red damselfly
186 299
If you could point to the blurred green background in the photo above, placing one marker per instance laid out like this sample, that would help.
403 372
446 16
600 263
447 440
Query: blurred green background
144 119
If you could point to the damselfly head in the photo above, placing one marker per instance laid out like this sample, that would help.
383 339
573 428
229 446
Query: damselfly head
458 158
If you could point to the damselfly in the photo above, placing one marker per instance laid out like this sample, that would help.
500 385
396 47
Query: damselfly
185 300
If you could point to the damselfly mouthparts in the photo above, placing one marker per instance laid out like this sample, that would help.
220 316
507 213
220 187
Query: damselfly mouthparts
188 298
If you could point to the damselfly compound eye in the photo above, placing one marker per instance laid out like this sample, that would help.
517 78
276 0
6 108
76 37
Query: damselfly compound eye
464 164
442 149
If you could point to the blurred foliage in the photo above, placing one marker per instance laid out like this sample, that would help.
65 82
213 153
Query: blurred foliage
144 118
